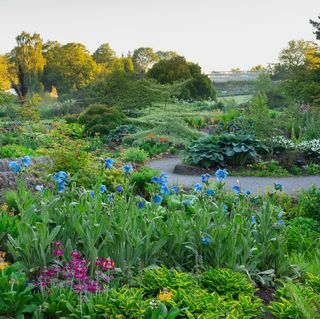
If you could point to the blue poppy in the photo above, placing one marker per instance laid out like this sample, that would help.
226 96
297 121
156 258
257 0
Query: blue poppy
157 199
26 161
15 167
92 195
205 178
141 205
109 163
110 198
247 193
119 188
253 220
187 203
60 176
155 179
61 186
236 189
197 187
175 190
221 175
280 214
210 192
127 169
103 188
281 222
164 189
206 240
278 187
40 188
163 178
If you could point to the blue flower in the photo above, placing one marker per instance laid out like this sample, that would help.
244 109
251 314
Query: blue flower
157 199
127 169
119 188
281 222
110 198
92 195
26 161
175 189
14 166
60 176
280 214
103 188
278 187
40 188
61 186
221 175
197 187
187 203
163 178
141 205
155 179
225 208
236 189
210 192
247 193
109 163
206 240
253 220
205 178
164 189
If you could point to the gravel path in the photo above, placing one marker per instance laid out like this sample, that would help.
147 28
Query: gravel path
255 184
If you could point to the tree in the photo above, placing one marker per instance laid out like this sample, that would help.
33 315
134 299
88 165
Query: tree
122 65
166 55
69 67
28 64
258 68
104 55
4 74
316 24
143 59
198 86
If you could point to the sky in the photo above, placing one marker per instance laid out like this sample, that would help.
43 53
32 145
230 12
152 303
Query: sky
216 34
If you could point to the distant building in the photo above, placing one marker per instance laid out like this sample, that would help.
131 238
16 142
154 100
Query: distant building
234 83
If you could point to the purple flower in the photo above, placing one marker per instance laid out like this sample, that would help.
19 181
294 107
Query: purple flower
58 252
57 244
119 188
75 254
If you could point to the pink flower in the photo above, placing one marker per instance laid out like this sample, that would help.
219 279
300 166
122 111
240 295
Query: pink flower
76 254
57 244
57 252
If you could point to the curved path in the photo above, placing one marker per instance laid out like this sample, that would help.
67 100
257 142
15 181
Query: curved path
255 184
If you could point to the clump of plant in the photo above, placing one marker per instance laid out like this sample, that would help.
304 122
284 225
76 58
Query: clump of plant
135 155
101 119
142 178
225 149
116 136
309 203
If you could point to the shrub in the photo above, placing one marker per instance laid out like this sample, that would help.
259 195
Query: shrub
142 178
226 282
309 203
14 150
116 136
101 119
223 149
135 155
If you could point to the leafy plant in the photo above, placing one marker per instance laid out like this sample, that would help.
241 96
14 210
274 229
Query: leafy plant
309 203
135 155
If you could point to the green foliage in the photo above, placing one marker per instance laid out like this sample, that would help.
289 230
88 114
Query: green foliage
142 178
15 151
101 119
303 235
226 282
309 203
154 280
295 301
135 155
223 149
16 298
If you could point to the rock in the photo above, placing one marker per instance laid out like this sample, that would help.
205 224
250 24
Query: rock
183 169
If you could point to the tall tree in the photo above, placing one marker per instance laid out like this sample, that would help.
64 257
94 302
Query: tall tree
28 62
4 74
166 55
104 55
143 59
316 24
69 67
